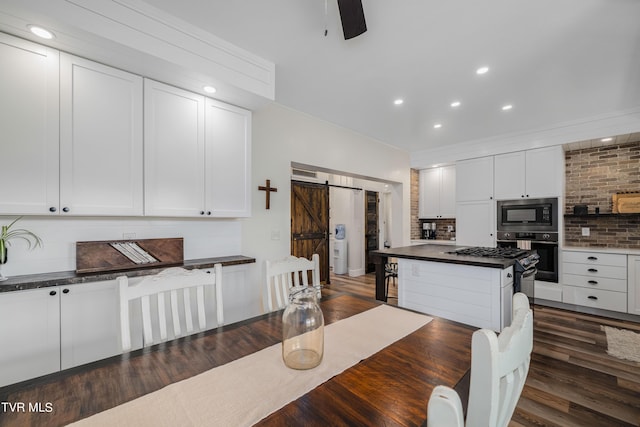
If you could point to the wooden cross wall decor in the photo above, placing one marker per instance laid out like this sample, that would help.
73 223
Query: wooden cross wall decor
268 188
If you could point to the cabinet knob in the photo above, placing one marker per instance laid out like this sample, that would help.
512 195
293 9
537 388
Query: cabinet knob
65 209
52 293
201 212
522 195
65 291
490 197
527 195
52 209
208 212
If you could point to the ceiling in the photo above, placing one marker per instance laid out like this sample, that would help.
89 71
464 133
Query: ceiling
554 62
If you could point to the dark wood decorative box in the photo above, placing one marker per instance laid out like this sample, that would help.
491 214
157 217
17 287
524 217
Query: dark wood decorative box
115 255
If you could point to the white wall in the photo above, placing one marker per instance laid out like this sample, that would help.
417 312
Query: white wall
282 135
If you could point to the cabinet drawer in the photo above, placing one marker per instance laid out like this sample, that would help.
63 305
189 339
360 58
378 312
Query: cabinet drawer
605 300
595 270
597 258
602 283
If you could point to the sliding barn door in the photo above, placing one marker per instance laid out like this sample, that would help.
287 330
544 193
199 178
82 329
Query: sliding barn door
310 223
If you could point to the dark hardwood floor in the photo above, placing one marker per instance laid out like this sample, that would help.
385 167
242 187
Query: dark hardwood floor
572 380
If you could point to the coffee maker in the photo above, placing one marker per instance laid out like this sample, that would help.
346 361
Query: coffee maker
429 230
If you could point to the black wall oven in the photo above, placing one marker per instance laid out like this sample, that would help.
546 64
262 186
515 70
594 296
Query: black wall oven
531 224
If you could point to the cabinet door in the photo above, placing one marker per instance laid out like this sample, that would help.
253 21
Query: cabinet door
633 284
29 333
509 178
475 223
173 151
89 321
429 198
29 120
228 165
100 139
448 192
544 172
474 179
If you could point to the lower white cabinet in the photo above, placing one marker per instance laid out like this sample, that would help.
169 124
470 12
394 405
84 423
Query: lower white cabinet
633 265
48 329
595 279
475 223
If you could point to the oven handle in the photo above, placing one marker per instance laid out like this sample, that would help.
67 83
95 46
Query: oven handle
528 273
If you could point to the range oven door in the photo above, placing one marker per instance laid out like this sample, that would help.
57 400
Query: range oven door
547 264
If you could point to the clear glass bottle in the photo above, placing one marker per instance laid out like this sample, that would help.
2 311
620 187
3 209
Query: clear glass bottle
302 329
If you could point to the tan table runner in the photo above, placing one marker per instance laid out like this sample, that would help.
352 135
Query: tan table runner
242 392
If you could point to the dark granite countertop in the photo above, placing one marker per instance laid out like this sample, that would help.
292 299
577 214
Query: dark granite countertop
61 278
439 253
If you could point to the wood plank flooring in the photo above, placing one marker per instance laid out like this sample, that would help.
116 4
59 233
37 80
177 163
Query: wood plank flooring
572 380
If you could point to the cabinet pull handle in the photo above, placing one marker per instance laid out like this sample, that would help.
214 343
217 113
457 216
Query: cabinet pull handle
593 258
592 282
52 293
52 209
592 297
592 270
65 291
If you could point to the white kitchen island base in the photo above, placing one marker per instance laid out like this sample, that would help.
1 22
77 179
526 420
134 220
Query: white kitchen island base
476 296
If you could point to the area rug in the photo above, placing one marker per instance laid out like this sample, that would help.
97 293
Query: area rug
622 343
246 390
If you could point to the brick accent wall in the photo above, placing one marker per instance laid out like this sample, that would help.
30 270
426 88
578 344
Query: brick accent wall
592 176
415 200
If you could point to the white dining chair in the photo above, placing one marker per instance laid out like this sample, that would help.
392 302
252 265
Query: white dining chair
291 271
168 282
499 368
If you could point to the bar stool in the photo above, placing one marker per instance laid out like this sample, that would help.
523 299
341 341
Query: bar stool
390 274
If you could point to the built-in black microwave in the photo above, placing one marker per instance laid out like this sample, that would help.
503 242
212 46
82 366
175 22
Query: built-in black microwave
528 215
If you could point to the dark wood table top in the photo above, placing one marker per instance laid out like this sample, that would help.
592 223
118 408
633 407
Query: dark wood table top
392 387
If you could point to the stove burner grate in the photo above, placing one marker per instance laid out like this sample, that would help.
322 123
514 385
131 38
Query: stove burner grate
491 252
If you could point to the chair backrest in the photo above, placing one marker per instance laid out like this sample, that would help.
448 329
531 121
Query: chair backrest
291 271
499 367
168 282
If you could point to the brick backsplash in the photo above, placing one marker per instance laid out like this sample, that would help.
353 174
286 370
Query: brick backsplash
592 176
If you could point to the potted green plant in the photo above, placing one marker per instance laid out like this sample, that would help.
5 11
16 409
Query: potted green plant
8 233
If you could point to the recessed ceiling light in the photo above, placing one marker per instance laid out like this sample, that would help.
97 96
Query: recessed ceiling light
455 104
437 126
482 70
507 107
209 89
40 32
398 101
606 139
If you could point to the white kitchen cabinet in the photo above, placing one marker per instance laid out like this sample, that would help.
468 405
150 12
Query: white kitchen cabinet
89 322
29 120
437 197
197 155
595 279
48 329
100 139
476 223
228 160
174 151
529 174
29 333
633 277
474 179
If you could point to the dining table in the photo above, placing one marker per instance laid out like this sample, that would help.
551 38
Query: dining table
390 387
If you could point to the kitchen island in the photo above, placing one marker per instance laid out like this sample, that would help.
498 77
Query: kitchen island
433 279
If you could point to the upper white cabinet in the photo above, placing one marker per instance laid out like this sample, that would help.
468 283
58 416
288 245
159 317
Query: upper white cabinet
228 160
530 173
174 151
474 179
438 192
29 119
100 139
197 155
